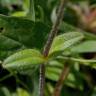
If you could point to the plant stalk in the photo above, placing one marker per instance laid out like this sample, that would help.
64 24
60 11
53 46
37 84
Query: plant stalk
48 44
62 77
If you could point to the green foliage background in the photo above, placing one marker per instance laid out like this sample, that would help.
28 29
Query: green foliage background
26 27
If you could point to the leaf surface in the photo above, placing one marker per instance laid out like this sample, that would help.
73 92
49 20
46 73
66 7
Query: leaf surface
23 60
85 47
64 41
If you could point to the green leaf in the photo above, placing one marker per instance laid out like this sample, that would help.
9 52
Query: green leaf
4 91
85 47
23 60
22 92
19 14
21 32
23 54
5 44
64 41
65 27
87 62
31 13
53 70
53 73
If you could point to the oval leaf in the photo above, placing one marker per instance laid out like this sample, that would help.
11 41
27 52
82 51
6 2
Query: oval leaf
23 64
20 32
23 54
23 60
65 40
85 47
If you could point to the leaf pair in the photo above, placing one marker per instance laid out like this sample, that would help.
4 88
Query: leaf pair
28 58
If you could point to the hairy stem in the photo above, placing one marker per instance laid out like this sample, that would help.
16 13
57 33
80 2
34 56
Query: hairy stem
55 28
48 44
62 77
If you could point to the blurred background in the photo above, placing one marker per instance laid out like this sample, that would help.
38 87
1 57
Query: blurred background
82 79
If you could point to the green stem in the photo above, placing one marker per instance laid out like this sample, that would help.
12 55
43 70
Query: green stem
5 77
77 59
80 60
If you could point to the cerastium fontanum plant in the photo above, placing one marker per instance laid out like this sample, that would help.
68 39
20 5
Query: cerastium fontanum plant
25 60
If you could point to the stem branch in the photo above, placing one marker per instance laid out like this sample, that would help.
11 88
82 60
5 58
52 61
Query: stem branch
48 44
62 77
